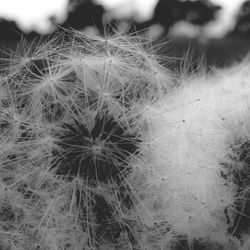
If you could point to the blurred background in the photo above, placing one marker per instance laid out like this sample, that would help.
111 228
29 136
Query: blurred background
217 29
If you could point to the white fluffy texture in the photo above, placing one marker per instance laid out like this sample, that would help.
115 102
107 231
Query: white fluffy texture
180 182
44 86
192 131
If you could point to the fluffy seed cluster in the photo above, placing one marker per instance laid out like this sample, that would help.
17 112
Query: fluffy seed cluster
104 148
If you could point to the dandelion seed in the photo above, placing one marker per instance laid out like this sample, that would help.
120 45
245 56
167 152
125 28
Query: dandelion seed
101 147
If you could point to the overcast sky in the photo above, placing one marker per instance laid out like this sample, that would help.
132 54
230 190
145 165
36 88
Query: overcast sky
33 14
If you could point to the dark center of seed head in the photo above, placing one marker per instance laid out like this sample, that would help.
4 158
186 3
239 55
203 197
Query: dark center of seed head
97 154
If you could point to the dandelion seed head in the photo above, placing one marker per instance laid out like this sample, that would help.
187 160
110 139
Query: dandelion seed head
103 147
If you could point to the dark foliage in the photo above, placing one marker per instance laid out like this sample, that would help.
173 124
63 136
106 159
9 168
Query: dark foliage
86 13
242 27
167 13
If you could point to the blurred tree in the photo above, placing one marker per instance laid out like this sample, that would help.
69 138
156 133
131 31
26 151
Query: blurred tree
83 13
168 12
10 33
242 27
200 12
